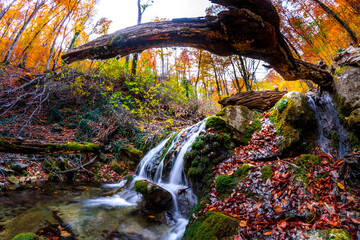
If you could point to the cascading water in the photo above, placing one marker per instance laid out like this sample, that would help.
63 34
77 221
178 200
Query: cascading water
169 176
330 130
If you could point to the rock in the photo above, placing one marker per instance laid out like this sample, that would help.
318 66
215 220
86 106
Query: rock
155 197
18 167
56 128
294 122
350 170
238 118
347 91
214 225
339 234
131 155
13 179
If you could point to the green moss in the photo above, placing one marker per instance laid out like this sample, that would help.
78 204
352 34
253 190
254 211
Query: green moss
281 105
334 140
26 236
141 186
198 144
212 226
340 69
13 179
117 168
199 206
216 123
242 172
267 173
221 112
167 146
223 183
70 146
304 163
354 140
250 129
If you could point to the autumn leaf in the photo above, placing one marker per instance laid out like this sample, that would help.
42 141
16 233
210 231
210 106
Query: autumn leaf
267 233
278 209
243 223
340 186
355 220
282 224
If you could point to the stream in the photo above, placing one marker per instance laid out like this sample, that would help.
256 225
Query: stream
108 211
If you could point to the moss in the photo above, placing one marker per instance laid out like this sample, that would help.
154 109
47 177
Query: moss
223 183
354 140
250 129
242 172
198 144
167 146
212 226
340 69
13 179
221 112
217 124
71 147
266 172
334 140
117 168
304 163
26 236
199 206
141 186
281 105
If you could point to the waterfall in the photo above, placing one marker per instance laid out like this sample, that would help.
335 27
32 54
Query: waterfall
169 175
329 127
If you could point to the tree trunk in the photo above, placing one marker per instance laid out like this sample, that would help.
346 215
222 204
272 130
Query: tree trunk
38 5
15 145
198 75
248 28
338 19
262 100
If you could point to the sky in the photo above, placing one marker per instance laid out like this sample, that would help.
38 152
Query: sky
123 13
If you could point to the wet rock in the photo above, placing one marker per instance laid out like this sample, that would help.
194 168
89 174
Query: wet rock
186 201
18 167
295 123
155 197
350 170
131 156
238 118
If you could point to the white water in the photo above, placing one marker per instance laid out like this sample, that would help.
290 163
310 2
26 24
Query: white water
174 182
328 122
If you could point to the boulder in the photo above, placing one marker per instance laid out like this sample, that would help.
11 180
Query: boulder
324 234
18 167
350 170
131 156
347 91
237 118
155 197
294 122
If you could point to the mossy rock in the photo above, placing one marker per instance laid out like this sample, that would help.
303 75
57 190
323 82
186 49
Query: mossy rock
242 172
13 179
237 119
212 226
327 234
224 183
26 236
266 173
131 154
141 186
295 123
304 163
117 168
353 128
217 124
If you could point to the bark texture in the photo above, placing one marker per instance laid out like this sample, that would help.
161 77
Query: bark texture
262 100
15 145
249 28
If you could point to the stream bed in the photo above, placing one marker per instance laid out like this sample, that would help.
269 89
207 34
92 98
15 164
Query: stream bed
75 212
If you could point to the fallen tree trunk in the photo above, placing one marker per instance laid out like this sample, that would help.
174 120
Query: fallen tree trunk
16 145
249 28
262 100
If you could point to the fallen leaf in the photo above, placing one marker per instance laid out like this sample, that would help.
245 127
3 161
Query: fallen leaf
350 199
341 186
282 224
278 209
151 216
243 223
267 233
65 234
355 220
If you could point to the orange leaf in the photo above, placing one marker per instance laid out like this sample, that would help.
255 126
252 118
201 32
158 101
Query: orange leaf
350 199
355 221
243 223
282 224
341 186
278 209
267 233
230 173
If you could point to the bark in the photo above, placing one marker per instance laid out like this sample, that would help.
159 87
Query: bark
262 100
37 7
338 19
198 76
16 145
244 29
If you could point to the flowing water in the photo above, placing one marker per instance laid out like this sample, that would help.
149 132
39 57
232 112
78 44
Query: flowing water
109 211
330 131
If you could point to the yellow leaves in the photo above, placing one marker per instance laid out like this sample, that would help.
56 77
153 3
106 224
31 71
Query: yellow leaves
340 186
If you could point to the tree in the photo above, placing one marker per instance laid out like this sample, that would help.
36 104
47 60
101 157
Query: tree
38 5
5 9
338 19
234 31
141 10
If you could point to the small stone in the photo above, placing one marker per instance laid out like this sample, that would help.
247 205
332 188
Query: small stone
56 128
